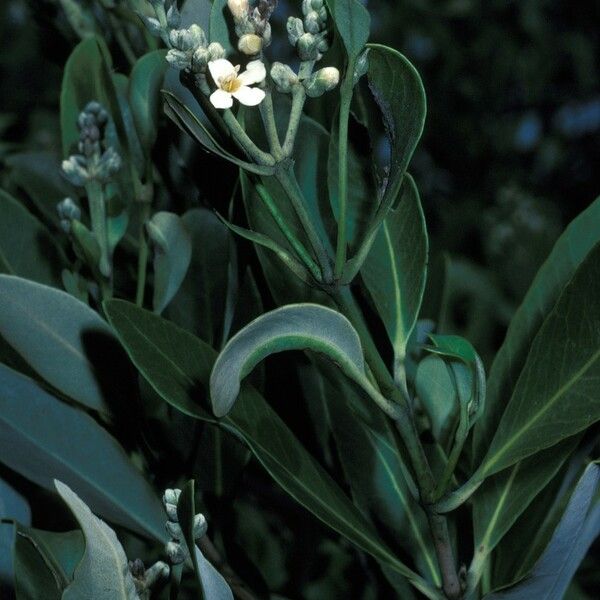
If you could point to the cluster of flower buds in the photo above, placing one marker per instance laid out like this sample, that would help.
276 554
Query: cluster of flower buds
177 549
309 35
68 211
145 579
95 161
190 50
166 17
252 24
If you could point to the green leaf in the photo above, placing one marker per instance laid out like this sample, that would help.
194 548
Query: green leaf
178 366
42 438
61 552
172 255
398 91
577 530
185 119
556 394
221 23
292 327
13 507
26 247
568 253
502 498
374 469
395 270
266 242
437 392
145 83
103 573
199 305
211 582
63 340
352 22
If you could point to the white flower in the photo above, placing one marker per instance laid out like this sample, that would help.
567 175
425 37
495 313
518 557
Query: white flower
233 84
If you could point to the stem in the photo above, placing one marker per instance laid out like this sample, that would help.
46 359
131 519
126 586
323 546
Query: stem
142 257
97 205
458 497
346 100
288 182
238 587
298 100
253 151
267 112
296 244
406 427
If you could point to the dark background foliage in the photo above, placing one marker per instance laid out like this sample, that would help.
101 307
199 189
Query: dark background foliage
509 156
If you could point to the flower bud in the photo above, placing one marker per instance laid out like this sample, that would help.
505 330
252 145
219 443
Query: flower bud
295 29
308 47
200 60
176 552
68 211
283 77
159 570
238 8
174 530
109 164
216 51
137 569
189 39
173 16
200 526
152 25
324 80
250 44
312 22
178 59
74 169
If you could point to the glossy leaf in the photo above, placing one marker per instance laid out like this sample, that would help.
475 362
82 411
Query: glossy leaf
292 327
26 247
63 340
556 394
395 269
43 438
103 573
144 94
398 91
577 530
172 254
178 366
568 253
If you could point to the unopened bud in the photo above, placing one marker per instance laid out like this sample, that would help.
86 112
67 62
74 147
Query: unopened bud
74 169
109 164
216 51
312 22
324 80
173 16
308 47
200 526
238 8
176 552
295 29
283 77
174 530
200 60
250 44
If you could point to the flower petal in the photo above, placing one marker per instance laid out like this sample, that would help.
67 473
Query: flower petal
220 68
255 73
221 99
249 96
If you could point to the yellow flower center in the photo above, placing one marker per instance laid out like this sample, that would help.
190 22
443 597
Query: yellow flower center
231 83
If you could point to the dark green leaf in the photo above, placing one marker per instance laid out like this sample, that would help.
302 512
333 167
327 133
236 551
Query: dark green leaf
172 254
569 251
43 438
178 365
395 269
556 394
60 337
352 22
199 305
292 327
397 89
26 247
578 528
145 83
